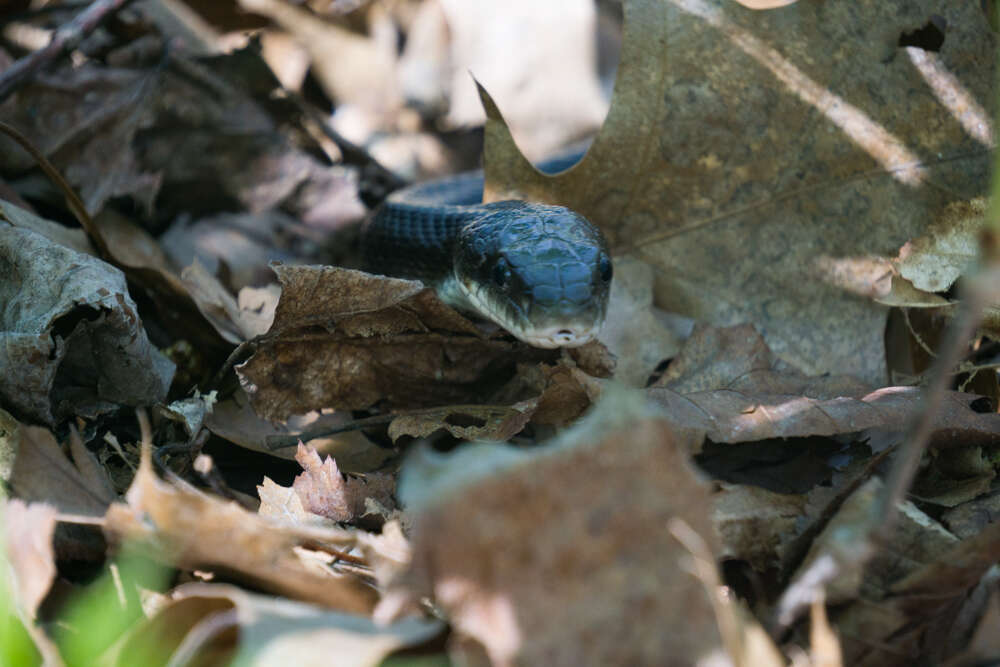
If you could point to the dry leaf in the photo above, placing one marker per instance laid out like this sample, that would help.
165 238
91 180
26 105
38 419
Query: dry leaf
234 420
197 531
28 539
468 422
43 474
548 84
752 157
346 339
71 341
633 332
325 492
562 556
93 115
282 503
732 388
947 250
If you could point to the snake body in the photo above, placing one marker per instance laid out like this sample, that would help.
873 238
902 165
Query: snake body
541 272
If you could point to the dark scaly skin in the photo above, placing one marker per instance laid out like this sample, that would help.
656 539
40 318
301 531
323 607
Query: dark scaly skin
541 272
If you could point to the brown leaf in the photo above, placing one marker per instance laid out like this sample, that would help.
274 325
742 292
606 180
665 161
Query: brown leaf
192 530
28 539
754 524
468 422
93 116
733 389
537 555
346 339
928 606
42 473
752 159
220 308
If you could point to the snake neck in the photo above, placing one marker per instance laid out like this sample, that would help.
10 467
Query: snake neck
414 241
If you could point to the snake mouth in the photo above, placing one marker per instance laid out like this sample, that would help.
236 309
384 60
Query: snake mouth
513 318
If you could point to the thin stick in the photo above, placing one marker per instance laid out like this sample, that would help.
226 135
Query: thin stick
274 442
73 200
65 38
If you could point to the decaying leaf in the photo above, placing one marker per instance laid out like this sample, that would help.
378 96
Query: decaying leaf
71 341
220 308
752 157
469 422
193 530
346 339
509 542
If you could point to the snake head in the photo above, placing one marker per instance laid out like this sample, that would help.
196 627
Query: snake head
541 272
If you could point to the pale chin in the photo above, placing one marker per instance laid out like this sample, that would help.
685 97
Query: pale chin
550 339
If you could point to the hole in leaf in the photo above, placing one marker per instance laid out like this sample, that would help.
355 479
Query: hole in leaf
464 420
982 405
930 37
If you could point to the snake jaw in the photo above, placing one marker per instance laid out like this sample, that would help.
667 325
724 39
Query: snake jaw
515 320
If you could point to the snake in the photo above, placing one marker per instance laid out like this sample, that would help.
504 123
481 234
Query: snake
539 271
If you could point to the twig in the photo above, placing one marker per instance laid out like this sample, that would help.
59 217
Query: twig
273 442
65 38
73 200
915 441
858 548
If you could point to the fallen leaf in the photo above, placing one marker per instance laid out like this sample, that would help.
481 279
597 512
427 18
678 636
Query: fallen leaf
754 524
732 388
71 338
193 530
467 422
234 420
549 83
536 555
762 143
28 538
352 68
325 492
94 116
282 502
948 248
632 331
43 474
346 339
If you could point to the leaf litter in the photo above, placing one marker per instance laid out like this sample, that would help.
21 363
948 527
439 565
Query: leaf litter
770 199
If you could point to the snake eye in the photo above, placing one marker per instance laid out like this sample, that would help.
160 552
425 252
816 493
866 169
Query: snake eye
604 266
501 272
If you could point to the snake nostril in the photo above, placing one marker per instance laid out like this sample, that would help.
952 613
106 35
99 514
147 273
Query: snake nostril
565 334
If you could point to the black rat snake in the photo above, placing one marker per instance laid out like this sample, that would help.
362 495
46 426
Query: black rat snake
541 272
